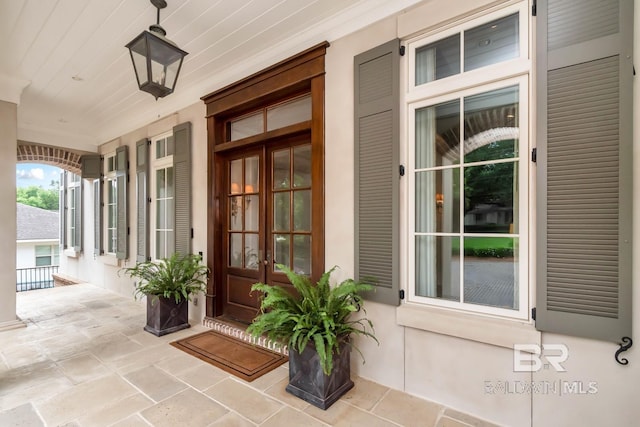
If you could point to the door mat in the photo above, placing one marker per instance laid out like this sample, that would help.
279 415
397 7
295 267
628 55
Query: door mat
230 354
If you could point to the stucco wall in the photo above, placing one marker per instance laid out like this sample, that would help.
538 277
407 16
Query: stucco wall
104 271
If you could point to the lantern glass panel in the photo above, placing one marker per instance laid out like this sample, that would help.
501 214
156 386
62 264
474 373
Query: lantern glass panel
138 56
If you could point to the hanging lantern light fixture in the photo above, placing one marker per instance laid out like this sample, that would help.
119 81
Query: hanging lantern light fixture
156 59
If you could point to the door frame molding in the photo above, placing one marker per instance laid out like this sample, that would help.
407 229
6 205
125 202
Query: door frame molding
300 74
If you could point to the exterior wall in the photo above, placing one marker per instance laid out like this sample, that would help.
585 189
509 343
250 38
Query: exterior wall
25 255
103 271
26 252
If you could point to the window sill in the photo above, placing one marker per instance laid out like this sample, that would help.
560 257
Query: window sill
110 259
488 330
70 253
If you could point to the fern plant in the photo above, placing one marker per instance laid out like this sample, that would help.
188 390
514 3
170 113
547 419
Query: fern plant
320 314
176 277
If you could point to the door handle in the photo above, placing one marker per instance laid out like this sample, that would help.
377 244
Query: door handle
264 260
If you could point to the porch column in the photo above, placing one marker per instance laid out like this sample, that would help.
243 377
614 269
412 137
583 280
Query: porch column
10 92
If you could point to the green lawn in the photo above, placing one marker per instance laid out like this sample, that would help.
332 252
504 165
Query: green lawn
484 243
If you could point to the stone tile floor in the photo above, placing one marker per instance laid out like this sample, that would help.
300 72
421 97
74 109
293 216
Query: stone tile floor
84 360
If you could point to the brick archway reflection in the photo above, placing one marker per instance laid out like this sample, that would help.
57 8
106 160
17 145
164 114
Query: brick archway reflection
55 156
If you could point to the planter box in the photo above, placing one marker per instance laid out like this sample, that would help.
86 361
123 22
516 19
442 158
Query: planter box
165 316
308 382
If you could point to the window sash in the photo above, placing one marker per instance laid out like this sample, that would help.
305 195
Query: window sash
111 214
73 186
159 236
110 204
46 255
521 235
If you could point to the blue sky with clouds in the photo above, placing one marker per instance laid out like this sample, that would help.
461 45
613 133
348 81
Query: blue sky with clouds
28 174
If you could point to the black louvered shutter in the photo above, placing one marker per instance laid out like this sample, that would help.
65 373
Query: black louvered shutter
584 171
142 200
376 105
182 187
122 223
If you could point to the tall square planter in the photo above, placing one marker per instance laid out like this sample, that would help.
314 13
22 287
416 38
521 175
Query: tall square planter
165 316
308 381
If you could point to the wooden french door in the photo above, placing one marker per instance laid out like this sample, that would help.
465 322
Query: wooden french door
267 220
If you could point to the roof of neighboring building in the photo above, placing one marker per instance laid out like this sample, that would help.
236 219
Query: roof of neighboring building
35 223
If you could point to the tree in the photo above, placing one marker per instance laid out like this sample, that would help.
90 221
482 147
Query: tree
38 197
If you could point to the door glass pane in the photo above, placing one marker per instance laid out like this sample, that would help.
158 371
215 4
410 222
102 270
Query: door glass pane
438 267
281 169
491 271
438 135
235 172
281 211
489 198
491 125
235 213
289 113
251 251
438 60
251 175
438 201
281 245
235 249
491 43
302 166
302 210
252 209
302 254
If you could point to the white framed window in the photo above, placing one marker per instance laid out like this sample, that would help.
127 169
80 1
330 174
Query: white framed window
47 255
467 118
110 204
74 198
162 186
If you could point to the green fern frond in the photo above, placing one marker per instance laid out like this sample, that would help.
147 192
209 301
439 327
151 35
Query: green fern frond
315 313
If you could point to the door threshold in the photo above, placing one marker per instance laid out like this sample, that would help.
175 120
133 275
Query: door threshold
237 330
